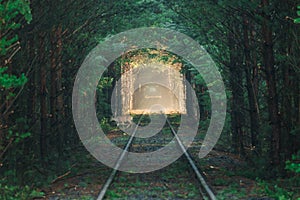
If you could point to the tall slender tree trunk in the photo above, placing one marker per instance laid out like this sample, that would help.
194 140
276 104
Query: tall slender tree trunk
59 87
31 99
236 82
268 62
255 69
53 87
296 141
56 98
43 98
252 98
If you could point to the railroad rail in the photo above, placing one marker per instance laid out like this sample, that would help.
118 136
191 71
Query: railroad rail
193 165
200 177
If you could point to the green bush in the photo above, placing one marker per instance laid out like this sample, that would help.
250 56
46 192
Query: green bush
11 192
297 20
274 191
294 164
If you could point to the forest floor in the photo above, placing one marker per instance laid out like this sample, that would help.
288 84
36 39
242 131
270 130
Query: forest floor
225 172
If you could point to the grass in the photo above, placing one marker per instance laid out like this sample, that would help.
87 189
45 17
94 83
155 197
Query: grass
222 182
171 183
233 192
87 197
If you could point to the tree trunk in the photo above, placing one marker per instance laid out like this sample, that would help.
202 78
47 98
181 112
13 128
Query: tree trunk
236 82
53 87
252 97
56 98
268 62
43 99
59 88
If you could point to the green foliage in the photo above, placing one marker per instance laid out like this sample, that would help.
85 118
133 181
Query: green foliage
87 197
222 182
233 191
103 104
112 195
9 81
293 165
10 192
5 43
87 22
297 20
18 137
10 9
104 123
9 14
274 191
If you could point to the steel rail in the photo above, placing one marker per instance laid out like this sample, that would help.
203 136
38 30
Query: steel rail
117 165
193 165
200 178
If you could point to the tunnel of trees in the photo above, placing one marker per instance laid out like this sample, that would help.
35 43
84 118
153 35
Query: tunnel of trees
255 45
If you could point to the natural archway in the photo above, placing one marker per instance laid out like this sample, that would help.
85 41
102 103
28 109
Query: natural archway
154 94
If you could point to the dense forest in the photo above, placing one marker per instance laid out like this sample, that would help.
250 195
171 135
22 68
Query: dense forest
43 43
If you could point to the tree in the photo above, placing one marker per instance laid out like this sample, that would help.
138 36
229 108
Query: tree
297 20
12 15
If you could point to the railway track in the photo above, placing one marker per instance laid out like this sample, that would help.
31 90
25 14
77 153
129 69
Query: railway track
205 190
